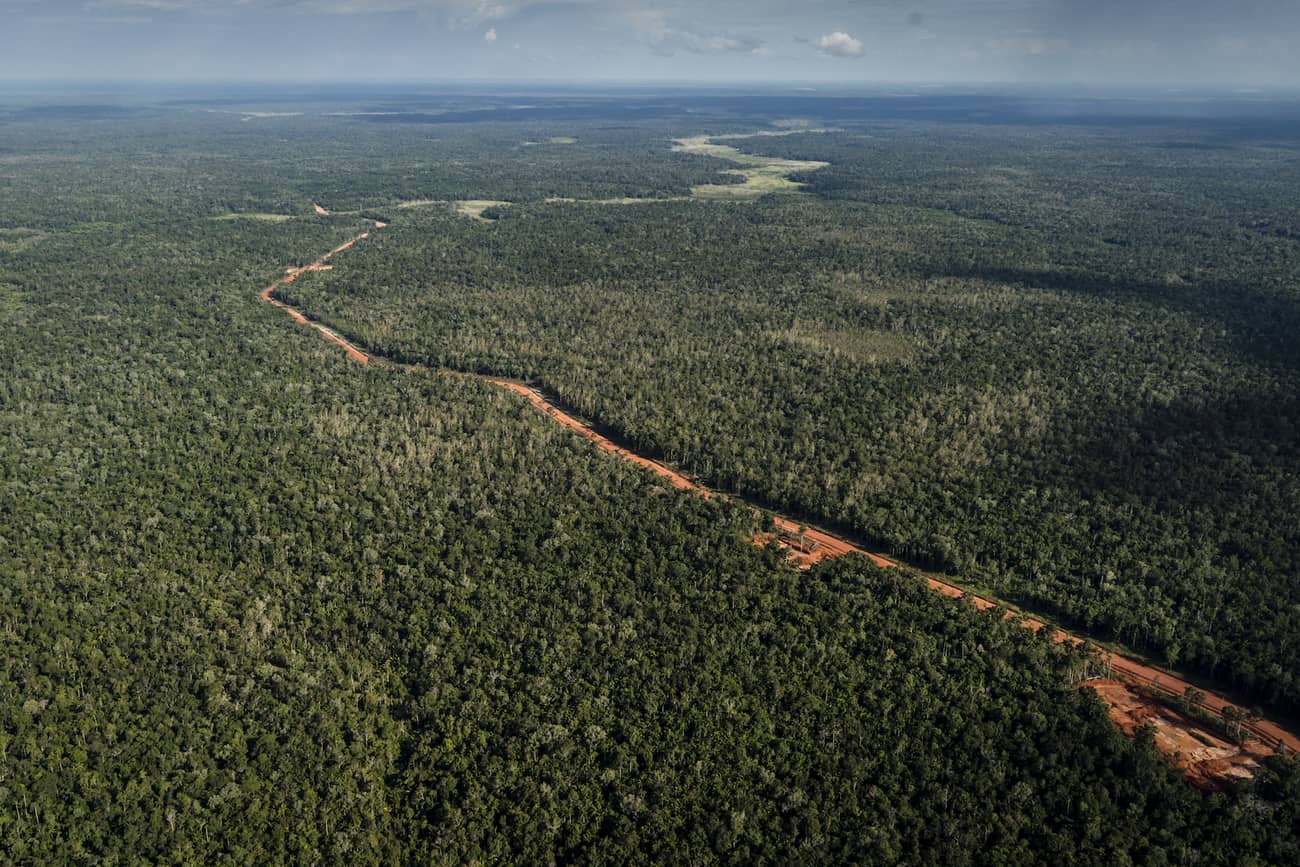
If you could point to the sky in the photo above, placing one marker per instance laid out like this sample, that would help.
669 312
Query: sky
1237 43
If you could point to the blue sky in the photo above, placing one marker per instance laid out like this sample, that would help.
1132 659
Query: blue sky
1164 42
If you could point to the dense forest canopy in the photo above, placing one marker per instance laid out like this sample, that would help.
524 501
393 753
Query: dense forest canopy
258 603
1059 363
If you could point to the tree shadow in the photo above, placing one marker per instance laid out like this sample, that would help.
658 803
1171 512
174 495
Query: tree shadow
1264 326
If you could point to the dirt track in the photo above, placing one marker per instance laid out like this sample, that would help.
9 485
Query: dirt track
809 545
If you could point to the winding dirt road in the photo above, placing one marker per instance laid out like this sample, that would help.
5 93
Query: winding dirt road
810 545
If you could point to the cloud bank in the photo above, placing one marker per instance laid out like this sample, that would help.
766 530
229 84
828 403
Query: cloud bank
840 44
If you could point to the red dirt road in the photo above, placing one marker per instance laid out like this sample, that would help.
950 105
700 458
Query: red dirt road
809 545
818 545
565 420
268 295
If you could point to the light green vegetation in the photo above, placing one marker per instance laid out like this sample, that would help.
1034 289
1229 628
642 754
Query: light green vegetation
768 133
265 218
472 208
624 200
861 345
762 175
475 208
561 140
757 183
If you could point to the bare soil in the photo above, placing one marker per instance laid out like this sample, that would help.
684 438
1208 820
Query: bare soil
1208 760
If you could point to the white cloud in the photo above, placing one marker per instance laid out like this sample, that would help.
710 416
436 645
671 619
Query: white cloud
839 44
491 35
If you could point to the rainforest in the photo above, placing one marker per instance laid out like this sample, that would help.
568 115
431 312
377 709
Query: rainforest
582 492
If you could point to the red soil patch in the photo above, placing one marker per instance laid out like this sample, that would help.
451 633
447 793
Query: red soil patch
320 210
1193 747
797 551
809 546
1208 760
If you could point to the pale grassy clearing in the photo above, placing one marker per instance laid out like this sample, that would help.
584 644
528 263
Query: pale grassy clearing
756 183
796 124
246 116
561 140
760 175
860 345
265 218
627 200
472 208
320 211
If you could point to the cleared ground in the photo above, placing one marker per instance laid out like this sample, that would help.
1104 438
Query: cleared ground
1203 754
472 208
265 218
761 175
626 200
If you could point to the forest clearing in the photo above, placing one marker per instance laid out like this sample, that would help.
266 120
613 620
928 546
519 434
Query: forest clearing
265 218
472 208
761 175
1208 760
